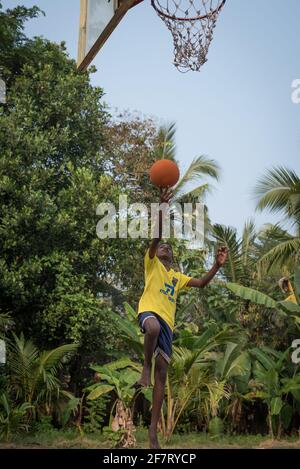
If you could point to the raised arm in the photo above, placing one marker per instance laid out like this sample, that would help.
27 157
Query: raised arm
220 260
165 197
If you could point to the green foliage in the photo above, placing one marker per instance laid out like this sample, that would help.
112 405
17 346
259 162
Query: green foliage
43 425
276 188
55 274
252 295
119 376
68 409
279 191
61 155
12 417
129 329
15 47
216 427
283 308
113 437
274 383
33 375
95 413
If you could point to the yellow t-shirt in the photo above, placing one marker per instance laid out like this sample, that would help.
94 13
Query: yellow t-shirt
161 289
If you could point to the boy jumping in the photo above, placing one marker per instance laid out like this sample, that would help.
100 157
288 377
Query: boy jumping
156 313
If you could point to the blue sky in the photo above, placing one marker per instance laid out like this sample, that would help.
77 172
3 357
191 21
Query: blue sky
236 110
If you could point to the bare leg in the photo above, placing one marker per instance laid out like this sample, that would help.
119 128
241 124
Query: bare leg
160 376
152 328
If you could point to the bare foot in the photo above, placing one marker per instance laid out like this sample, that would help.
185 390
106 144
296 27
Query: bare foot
153 441
145 379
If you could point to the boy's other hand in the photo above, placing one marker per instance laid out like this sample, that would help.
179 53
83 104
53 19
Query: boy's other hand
221 256
165 195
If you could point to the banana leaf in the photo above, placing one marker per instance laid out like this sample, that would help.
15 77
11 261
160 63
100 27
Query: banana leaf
263 358
276 405
252 295
289 306
99 390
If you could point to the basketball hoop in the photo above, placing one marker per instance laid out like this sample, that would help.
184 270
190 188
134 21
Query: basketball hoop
191 23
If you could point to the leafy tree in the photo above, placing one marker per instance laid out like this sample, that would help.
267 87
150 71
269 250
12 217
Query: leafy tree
54 270
15 47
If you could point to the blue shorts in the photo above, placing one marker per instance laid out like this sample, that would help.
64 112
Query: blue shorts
164 341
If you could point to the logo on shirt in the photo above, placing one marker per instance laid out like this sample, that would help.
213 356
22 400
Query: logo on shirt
169 291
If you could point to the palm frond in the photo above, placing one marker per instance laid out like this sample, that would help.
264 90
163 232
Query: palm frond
227 236
248 238
166 148
33 374
275 188
183 360
51 359
273 232
281 255
232 351
194 195
22 356
46 369
200 166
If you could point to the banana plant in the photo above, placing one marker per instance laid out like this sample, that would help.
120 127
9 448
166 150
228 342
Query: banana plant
285 308
272 385
118 378
129 330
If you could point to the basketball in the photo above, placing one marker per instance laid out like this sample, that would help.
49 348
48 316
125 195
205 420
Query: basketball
164 173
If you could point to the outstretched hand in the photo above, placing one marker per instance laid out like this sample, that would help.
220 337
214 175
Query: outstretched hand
165 194
221 256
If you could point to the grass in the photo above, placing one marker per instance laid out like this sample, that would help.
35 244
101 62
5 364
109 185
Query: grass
53 438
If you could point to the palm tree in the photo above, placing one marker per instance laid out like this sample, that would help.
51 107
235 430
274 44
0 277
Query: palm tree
192 377
200 167
12 418
33 374
242 252
279 191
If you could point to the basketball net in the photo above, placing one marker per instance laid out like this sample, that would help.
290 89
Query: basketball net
191 23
